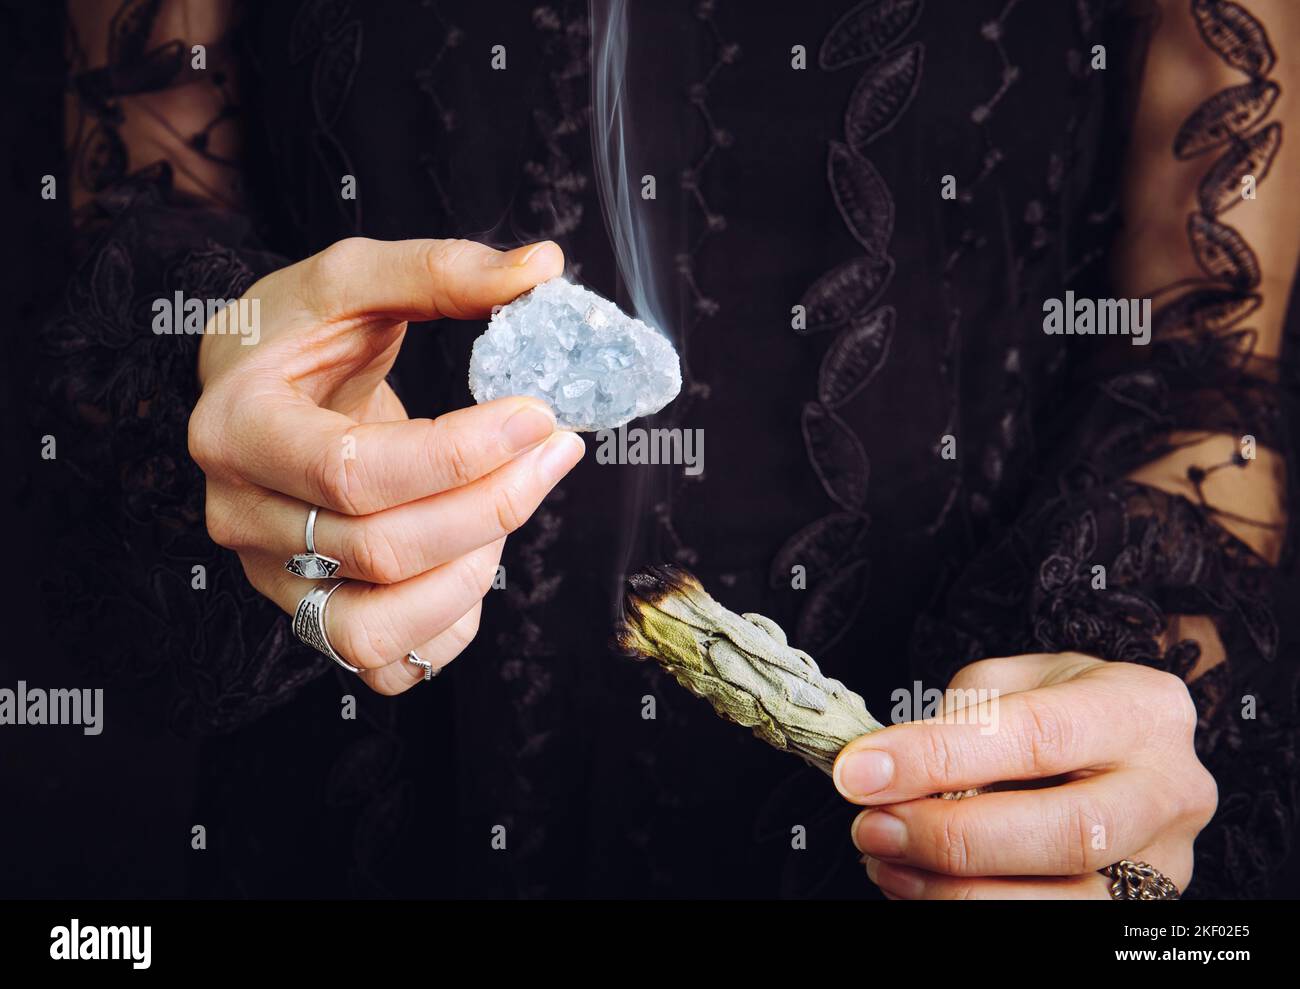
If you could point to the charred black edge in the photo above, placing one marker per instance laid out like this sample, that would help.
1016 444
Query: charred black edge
657 581
651 584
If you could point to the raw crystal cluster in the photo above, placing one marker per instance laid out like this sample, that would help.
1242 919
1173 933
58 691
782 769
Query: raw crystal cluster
595 366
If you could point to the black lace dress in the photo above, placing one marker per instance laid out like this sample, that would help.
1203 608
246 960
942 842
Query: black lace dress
777 187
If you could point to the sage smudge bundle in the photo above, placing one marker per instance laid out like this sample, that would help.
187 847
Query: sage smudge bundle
742 665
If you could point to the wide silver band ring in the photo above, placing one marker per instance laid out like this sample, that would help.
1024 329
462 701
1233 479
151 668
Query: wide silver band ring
312 565
429 671
309 623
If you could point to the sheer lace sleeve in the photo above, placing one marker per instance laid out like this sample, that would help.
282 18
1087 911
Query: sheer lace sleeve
153 160
1160 536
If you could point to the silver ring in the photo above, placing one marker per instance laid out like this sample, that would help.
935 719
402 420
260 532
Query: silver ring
429 671
309 623
312 565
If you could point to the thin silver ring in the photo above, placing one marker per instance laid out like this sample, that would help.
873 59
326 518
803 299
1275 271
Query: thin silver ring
312 565
309 623
429 671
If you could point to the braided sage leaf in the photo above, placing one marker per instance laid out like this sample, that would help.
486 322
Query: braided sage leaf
820 547
855 357
1221 188
1238 37
844 293
837 456
862 198
881 97
831 608
1222 252
1225 114
867 31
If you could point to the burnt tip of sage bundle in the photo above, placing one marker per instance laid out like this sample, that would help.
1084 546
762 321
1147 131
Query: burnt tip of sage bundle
647 590
658 580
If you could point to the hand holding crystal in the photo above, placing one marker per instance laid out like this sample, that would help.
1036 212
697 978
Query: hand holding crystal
415 510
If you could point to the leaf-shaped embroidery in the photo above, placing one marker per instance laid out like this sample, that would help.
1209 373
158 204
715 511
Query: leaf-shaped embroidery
312 24
1231 31
1205 309
1261 624
820 548
831 609
867 30
881 96
862 197
1221 189
1232 111
845 293
333 73
837 456
1222 252
112 283
855 357
334 156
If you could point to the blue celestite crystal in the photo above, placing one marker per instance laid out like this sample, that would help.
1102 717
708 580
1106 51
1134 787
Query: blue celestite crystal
595 366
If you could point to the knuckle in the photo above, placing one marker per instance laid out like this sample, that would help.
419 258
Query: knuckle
1048 731
451 457
939 762
339 260
511 511
981 673
1201 797
1080 826
366 639
474 577
953 847
441 258
464 632
220 524
203 437
375 556
1175 700
340 480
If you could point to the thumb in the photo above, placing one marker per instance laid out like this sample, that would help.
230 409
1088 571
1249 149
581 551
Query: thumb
421 279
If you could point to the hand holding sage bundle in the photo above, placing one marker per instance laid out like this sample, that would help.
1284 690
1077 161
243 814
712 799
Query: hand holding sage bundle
744 667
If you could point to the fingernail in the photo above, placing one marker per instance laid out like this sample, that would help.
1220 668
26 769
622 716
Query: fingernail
873 867
521 256
526 428
897 881
863 773
877 832
559 455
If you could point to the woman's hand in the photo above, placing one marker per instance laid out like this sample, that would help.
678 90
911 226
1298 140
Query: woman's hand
416 510
1118 735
